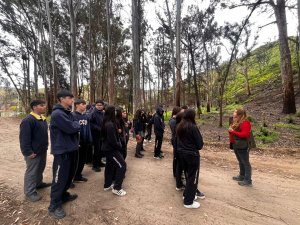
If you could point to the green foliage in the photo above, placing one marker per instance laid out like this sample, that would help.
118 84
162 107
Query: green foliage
251 119
290 120
232 107
167 116
265 135
298 114
13 108
288 125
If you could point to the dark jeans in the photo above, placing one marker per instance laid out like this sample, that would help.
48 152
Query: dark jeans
177 168
149 132
115 168
139 147
97 156
158 144
191 165
63 170
80 159
242 156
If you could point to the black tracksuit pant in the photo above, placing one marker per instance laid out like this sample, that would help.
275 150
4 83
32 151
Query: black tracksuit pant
115 168
97 155
63 173
191 165
177 168
158 144
80 159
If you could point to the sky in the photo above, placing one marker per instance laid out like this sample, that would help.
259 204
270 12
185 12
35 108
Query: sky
266 34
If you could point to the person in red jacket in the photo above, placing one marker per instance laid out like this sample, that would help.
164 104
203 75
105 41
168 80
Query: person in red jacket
239 132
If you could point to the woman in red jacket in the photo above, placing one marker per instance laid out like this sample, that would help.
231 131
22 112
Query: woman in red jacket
239 132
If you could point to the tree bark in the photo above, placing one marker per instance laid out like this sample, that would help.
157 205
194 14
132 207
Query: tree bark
298 3
55 81
289 105
178 48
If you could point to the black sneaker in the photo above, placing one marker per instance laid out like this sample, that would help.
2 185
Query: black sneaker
34 197
43 185
200 194
97 169
102 164
138 156
58 213
69 198
238 178
245 183
80 179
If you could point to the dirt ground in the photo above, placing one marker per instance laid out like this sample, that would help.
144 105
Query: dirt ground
152 198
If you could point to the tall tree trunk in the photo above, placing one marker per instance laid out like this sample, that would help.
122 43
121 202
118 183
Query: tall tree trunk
55 81
143 72
136 55
92 75
247 76
298 60
110 73
178 48
172 50
289 105
73 68
195 81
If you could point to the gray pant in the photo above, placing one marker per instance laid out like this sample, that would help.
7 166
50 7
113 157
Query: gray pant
34 173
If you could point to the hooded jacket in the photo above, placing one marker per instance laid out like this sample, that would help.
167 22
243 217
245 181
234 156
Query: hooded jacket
96 120
85 128
158 121
64 131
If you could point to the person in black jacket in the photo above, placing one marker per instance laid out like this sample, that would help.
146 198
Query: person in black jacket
159 129
128 125
189 142
85 138
138 131
149 127
96 120
34 144
64 134
121 131
112 147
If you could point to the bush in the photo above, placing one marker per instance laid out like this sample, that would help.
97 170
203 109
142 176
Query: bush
251 119
290 120
265 135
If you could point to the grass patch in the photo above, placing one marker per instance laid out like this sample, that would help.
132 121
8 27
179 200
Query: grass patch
232 107
265 135
288 125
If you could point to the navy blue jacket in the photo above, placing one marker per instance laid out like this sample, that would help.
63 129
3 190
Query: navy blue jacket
111 139
96 119
63 131
138 126
159 124
192 141
85 128
33 135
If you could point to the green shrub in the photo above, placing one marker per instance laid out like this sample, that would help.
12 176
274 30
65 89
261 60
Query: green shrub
290 120
288 125
251 119
265 135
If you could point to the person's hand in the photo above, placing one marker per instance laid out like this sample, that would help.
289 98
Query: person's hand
120 131
230 129
32 156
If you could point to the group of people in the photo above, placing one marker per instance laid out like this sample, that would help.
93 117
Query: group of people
107 129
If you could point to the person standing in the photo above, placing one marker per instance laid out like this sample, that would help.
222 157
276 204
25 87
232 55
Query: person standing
34 144
85 138
149 127
138 131
64 132
96 125
189 142
239 132
112 147
121 131
159 129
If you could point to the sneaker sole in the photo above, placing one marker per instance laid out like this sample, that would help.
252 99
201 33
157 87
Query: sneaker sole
55 216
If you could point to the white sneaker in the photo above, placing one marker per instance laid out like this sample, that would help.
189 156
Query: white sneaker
109 188
195 205
119 192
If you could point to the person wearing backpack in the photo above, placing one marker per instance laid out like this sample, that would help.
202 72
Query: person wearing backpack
239 133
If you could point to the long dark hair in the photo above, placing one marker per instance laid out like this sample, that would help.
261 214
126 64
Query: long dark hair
137 114
187 121
119 118
109 116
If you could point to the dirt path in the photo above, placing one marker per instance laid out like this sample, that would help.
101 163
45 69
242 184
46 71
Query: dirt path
152 198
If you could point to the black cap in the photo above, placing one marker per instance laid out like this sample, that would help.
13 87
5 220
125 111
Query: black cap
64 93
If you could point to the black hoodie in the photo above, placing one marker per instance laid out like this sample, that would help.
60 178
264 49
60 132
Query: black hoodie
158 121
64 131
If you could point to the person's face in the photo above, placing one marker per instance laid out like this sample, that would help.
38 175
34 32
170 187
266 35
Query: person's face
235 116
81 107
99 106
40 109
67 101
124 115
